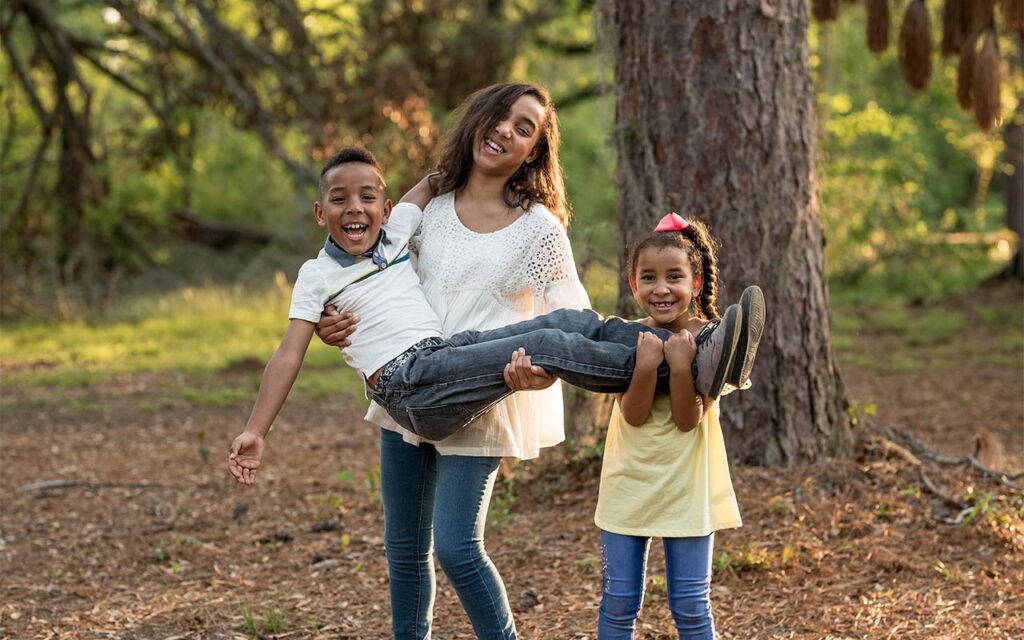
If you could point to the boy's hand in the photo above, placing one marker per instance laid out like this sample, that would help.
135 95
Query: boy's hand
245 456
335 328
680 350
522 375
649 351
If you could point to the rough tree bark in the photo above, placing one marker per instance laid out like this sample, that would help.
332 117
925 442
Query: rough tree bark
715 120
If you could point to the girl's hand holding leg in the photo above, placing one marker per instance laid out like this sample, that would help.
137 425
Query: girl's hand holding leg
650 351
245 457
680 350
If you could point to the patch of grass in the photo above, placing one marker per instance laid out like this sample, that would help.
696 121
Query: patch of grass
890 362
953 574
88 406
934 326
740 562
70 377
891 317
218 397
847 321
782 504
1010 316
190 330
323 381
189 542
587 564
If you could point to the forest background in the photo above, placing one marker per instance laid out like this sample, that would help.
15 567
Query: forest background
157 173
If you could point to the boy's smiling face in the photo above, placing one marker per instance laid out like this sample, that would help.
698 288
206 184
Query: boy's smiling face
352 206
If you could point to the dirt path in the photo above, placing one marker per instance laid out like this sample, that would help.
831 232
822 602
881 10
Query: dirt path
159 543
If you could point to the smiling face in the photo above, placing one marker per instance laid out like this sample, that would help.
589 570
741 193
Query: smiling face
352 206
663 284
501 149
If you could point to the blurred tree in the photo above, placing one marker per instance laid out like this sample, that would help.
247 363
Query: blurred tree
305 76
715 119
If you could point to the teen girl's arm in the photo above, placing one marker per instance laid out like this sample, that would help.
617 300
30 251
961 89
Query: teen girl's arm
246 451
636 402
688 406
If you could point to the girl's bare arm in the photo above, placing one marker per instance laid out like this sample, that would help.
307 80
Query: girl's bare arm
688 407
636 402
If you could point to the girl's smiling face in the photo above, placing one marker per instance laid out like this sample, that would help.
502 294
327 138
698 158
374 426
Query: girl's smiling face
512 140
663 284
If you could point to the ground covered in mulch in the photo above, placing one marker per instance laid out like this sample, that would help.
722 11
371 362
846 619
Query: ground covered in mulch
147 537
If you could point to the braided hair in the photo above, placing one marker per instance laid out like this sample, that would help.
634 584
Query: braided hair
701 249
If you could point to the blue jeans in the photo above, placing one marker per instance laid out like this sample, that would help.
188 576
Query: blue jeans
687 574
444 387
439 503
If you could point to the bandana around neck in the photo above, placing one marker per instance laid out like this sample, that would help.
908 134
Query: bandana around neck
346 259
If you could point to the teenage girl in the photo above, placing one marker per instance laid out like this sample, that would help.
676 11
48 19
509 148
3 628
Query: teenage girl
492 251
665 471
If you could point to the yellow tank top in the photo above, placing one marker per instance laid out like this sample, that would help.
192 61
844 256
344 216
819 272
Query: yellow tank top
658 481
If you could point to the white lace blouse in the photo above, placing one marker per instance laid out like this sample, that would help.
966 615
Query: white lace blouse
488 280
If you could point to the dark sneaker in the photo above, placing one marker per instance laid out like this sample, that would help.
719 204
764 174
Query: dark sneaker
751 328
715 354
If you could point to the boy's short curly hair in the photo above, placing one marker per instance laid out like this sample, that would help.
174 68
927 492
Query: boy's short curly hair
346 155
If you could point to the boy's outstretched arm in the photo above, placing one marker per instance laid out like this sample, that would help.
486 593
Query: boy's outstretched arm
246 451
420 194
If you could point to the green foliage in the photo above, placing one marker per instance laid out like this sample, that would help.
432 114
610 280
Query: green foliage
236 181
899 171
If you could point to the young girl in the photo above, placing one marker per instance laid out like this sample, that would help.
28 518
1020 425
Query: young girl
665 471
492 251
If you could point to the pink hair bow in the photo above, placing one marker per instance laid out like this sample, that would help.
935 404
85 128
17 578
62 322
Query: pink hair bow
672 222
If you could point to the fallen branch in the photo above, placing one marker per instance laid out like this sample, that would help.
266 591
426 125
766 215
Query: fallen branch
219 235
86 484
888 447
922 449
948 499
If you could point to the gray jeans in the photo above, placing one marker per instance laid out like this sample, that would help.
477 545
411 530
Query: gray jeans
442 388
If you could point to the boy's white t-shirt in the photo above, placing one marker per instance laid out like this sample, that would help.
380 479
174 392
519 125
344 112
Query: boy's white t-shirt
392 309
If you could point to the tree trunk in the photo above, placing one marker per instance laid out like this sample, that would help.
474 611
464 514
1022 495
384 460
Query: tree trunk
1013 137
715 120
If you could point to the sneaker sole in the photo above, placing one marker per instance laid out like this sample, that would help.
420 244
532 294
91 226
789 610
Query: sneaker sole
752 306
731 322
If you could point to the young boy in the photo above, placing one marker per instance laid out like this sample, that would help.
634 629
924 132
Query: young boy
430 385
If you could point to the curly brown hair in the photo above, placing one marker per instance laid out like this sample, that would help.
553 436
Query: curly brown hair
701 249
537 181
